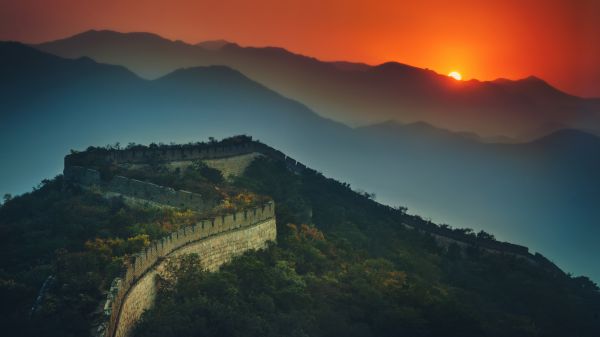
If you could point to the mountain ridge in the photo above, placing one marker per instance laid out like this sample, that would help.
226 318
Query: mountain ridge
447 178
518 109
350 257
106 33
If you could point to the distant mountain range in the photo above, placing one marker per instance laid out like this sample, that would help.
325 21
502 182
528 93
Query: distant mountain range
355 93
543 194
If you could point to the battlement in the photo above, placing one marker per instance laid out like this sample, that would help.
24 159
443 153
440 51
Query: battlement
82 168
155 154
161 248
121 321
216 240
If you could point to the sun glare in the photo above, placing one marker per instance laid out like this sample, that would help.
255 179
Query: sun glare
455 75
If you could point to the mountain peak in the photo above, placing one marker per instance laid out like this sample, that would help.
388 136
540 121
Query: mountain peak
211 74
531 86
420 129
216 69
569 137
394 66
398 70
533 78
104 36
214 44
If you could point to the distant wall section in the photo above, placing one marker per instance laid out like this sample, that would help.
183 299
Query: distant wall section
228 166
232 166
179 153
136 189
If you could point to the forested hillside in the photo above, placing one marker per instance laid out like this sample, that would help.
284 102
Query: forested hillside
345 266
62 245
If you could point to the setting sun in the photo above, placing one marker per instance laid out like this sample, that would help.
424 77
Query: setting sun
455 75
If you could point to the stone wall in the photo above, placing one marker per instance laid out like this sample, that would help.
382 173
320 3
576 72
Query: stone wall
136 189
446 237
215 240
228 166
177 153
232 166
160 154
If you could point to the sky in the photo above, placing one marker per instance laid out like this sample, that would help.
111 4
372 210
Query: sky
557 40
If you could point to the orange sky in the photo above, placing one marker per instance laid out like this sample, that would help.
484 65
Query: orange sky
558 40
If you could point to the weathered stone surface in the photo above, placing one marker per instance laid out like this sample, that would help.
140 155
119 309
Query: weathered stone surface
232 166
137 190
181 154
216 240
228 166
213 252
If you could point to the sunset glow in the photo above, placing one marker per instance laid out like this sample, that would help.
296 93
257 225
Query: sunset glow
455 75
553 40
357 167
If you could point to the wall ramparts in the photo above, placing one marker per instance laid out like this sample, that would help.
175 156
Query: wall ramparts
173 153
216 240
165 153
139 271
137 189
147 259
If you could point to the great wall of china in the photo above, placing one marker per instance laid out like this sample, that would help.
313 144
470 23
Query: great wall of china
215 240
136 155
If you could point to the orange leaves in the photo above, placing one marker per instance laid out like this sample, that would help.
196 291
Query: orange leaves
234 201
381 273
103 246
116 247
138 242
245 198
183 216
173 219
312 233
394 279
306 232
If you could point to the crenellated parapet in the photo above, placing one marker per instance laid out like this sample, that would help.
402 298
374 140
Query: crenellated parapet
248 229
157 154
205 228
216 240
160 154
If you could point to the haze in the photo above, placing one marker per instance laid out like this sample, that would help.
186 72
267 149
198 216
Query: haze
557 40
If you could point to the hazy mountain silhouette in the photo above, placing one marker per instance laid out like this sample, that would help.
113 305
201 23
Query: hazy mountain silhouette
213 44
542 194
355 93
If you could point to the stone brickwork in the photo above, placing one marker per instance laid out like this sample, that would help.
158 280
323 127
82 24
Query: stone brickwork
180 153
228 166
216 241
136 189
213 252
232 166
167 153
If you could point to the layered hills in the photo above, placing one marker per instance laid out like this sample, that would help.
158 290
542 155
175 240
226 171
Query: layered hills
539 193
354 93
